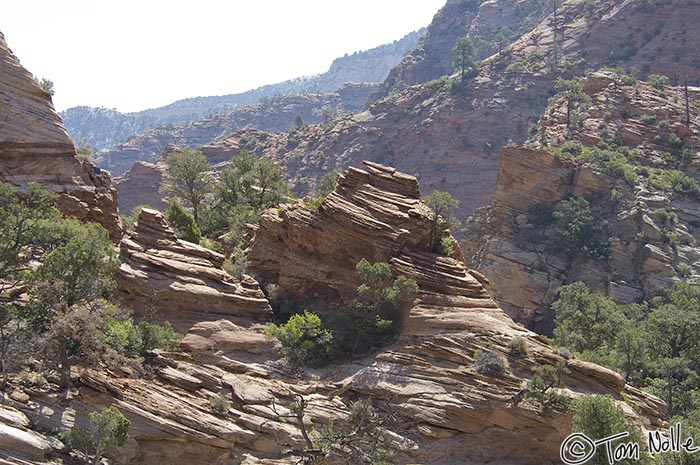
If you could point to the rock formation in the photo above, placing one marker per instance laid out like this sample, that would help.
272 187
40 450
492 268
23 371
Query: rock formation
34 147
141 186
276 114
651 228
481 20
448 134
181 282
445 410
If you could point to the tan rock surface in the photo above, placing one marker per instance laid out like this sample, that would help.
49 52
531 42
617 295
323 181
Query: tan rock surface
182 282
523 258
34 147
446 410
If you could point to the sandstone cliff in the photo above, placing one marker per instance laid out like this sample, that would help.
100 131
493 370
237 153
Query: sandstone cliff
34 147
446 411
644 202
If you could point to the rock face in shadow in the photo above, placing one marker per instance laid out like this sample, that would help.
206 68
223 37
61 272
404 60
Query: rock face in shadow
34 147
179 281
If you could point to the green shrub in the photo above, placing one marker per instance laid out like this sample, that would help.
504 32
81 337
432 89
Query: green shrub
182 223
572 148
676 181
657 81
106 429
620 168
304 340
543 388
131 339
211 245
684 270
158 336
446 247
490 363
122 335
648 118
517 347
236 264
575 214
598 417
220 404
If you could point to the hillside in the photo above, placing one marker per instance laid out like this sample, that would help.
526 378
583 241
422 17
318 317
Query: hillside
104 128
276 114
427 381
630 154
349 328
448 134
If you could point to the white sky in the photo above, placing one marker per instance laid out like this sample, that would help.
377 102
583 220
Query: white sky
138 54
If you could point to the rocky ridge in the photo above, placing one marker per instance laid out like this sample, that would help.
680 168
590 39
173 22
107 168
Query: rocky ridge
650 227
181 282
448 134
445 409
104 128
481 20
275 114
34 147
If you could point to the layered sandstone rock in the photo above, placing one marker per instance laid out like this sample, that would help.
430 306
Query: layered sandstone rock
34 147
141 186
179 281
445 409
651 232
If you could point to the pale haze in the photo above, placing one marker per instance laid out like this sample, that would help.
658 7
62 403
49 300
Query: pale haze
133 55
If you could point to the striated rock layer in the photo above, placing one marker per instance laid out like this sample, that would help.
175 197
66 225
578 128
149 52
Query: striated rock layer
649 229
34 147
179 281
445 411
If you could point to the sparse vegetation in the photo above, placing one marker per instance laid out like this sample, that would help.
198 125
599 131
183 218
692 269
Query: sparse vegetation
517 347
220 404
544 386
304 340
187 179
183 223
108 428
598 416
463 51
441 205
490 363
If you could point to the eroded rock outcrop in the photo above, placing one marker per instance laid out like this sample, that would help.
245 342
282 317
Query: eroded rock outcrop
34 147
446 411
179 281
647 228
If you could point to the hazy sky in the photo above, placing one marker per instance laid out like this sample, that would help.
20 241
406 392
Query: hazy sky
138 54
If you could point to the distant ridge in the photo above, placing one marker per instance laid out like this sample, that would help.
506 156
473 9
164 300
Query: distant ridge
104 127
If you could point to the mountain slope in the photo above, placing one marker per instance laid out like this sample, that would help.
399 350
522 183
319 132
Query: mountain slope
103 127
35 148
635 161
270 114
448 133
